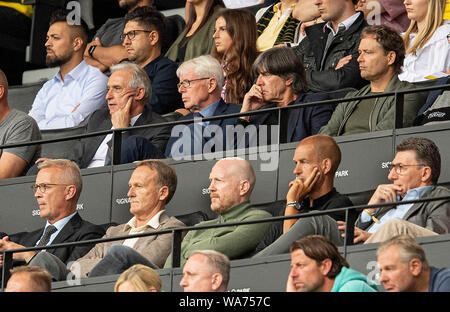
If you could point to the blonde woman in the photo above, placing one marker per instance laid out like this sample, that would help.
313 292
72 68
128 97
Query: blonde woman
138 278
427 47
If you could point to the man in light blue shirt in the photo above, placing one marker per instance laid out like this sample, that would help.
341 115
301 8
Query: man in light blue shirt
77 89
414 172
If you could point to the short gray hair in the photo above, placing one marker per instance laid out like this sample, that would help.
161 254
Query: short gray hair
139 77
205 66
408 249
217 262
72 173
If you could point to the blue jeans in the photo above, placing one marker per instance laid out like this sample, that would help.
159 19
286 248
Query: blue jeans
118 259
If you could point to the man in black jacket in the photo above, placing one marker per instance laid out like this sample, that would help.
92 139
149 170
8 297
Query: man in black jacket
129 91
330 49
57 189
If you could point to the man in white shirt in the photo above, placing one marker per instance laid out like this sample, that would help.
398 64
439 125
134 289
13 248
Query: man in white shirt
77 89
152 185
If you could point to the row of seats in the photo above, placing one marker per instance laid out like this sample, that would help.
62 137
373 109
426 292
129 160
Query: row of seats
365 159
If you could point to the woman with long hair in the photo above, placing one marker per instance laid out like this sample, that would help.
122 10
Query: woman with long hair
235 47
427 47
196 38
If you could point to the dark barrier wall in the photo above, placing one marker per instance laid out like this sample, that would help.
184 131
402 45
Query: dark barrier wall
270 273
365 159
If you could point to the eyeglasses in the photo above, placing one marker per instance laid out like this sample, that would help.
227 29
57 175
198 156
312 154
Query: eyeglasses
44 186
187 83
401 169
132 33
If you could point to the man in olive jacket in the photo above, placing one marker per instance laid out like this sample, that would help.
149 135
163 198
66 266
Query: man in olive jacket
381 55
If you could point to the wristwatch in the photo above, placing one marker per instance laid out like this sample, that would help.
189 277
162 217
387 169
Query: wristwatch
91 50
294 204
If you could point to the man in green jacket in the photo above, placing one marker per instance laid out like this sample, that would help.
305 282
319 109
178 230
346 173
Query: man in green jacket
231 184
317 265
381 55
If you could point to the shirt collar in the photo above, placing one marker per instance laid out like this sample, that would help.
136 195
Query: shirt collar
318 203
345 24
61 223
209 110
77 72
235 211
417 192
153 222
134 119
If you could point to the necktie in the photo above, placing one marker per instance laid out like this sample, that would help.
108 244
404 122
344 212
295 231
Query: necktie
49 230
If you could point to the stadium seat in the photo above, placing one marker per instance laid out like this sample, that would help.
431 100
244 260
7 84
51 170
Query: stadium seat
22 97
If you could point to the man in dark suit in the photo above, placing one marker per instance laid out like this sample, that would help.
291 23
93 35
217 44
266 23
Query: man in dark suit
282 82
57 189
201 82
129 91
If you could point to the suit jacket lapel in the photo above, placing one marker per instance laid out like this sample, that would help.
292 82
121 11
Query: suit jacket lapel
68 230
220 110
294 117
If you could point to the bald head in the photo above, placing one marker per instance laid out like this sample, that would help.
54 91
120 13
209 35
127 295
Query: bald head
324 147
232 182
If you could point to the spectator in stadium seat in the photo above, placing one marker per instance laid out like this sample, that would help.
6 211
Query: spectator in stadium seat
387 12
381 56
106 49
317 266
231 183
197 37
427 47
15 127
276 25
281 82
152 185
201 81
57 189
330 49
129 91
206 271
142 39
77 89
415 172
29 279
316 160
235 48
405 268
138 278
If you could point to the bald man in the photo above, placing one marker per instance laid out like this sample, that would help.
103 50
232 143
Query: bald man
231 184
15 127
316 160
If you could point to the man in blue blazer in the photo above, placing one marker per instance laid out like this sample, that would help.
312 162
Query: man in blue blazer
57 189
282 82
201 83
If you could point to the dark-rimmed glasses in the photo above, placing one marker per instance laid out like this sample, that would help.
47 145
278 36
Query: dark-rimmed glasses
132 33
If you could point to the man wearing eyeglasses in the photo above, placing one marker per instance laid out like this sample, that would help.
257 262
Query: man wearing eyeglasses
414 172
201 82
57 189
141 38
